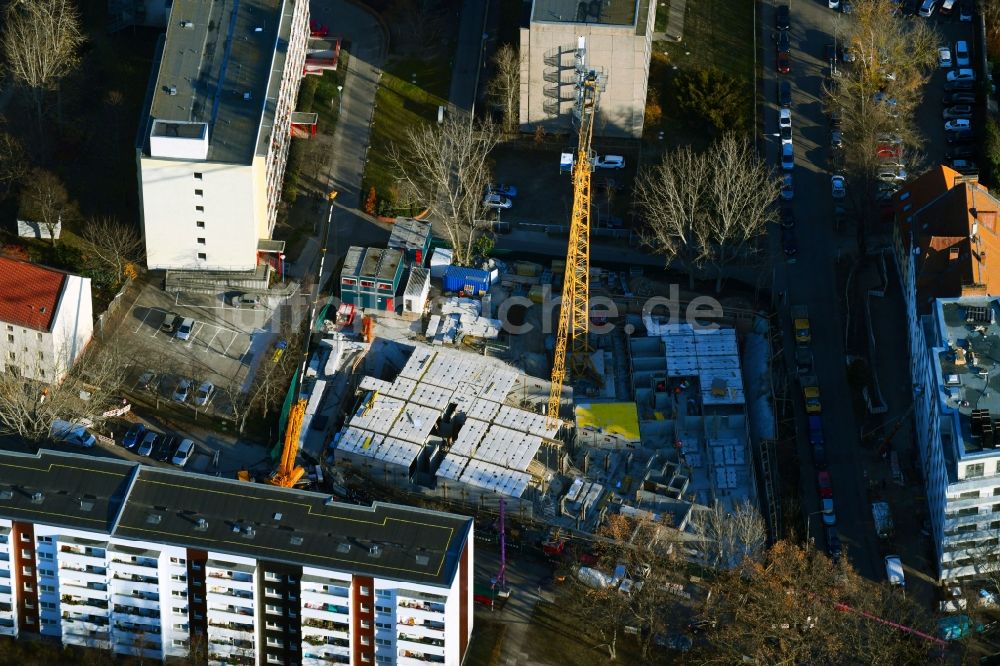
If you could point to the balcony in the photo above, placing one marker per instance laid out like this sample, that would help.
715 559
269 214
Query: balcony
85 605
415 658
326 625
238 614
221 659
421 627
223 591
131 568
151 632
72 555
229 627
322 659
128 611
422 640
331 612
425 606
139 600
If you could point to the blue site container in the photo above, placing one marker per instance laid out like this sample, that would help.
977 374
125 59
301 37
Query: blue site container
469 280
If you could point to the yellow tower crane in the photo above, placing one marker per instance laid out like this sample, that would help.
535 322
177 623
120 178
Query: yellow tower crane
287 474
575 306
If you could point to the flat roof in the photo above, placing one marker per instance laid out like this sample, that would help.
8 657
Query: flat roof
614 418
380 262
968 365
602 12
260 521
409 233
221 67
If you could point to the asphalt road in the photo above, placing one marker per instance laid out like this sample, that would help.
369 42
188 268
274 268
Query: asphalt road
811 280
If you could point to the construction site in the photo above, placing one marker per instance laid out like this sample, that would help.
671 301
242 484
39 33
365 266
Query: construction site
463 390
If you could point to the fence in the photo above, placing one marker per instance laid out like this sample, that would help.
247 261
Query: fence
114 313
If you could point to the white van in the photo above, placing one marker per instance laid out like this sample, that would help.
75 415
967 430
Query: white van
894 571
927 8
183 454
72 433
609 162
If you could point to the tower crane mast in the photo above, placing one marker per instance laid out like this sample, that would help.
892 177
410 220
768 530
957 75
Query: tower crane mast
574 311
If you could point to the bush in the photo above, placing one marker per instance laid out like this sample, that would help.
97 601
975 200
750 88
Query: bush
296 155
710 95
370 201
991 149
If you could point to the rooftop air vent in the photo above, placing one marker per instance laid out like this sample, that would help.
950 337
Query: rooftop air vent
6 494
249 532
201 524
86 505
296 541
236 528
423 560
330 501
343 547
37 497
172 90
374 550
247 96
154 518
187 24
277 516
258 29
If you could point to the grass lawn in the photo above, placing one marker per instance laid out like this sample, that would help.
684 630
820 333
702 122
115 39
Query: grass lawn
409 94
717 33
487 637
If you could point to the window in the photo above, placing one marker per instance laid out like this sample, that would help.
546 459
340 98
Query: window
970 494
348 281
365 624
272 592
365 640
12 356
200 224
199 193
25 538
383 625
10 338
974 471
179 643
9 327
179 610
271 608
271 576
201 241
366 657
179 593
47 588
29 619
382 641
365 591
178 577
178 560
385 287
41 356
197 175
44 539
383 609
199 209
25 553
367 283
42 555
202 256
46 572
968 512
28 571
196 566
28 587
272 625
47 605
198 599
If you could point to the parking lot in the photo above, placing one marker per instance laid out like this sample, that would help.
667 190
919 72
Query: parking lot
545 196
224 346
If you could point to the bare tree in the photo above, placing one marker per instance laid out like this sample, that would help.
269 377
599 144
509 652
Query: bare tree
419 27
696 217
13 162
447 168
118 246
44 200
730 537
28 406
795 606
877 96
504 89
41 43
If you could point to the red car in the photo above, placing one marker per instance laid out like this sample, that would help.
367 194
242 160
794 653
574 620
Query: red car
784 63
825 484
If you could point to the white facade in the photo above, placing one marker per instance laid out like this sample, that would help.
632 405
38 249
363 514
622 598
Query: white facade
47 355
210 187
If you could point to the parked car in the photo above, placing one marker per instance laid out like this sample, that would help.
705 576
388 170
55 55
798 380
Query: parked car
964 85
184 330
246 301
609 162
787 187
146 380
960 152
785 118
183 454
829 517
164 449
496 201
944 56
833 547
958 98
786 135
786 217
947 6
169 324
183 390
134 435
819 456
825 484
891 175
788 244
784 94
148 444
962 75
958 125
962 137
784 44
838 187
781 17
204 394
784 63
787 156
836 139
833 4
965 11
72 433
962 53
957 111
966 167
927 8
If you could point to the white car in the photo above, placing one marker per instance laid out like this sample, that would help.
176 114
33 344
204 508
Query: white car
838 187
962 53
496 201
204 394
785 118
184 330
609 162
148 444
927 8
962 75
183 454
833 4
958 125
183 390
72 433
944 56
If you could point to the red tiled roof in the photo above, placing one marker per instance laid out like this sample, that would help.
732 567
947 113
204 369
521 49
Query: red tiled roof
29 293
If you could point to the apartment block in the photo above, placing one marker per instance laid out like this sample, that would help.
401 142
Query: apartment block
214 143
46 320
112 555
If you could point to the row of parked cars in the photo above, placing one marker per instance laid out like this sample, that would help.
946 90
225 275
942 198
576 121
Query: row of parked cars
158 446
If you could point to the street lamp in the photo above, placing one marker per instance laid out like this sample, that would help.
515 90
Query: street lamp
809 516
340 98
